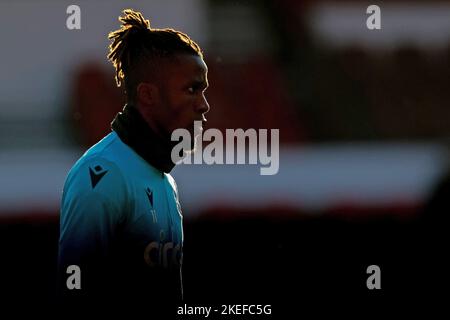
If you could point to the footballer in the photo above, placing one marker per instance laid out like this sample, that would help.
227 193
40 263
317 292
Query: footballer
120 219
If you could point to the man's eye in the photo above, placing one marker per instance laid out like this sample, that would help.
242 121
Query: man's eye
191 89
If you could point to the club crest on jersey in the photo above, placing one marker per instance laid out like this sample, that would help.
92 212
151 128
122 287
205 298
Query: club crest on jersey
150 199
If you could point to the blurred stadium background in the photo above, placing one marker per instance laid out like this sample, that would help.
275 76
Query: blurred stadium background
364 125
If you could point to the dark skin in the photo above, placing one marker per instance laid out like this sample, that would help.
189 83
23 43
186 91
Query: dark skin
177 98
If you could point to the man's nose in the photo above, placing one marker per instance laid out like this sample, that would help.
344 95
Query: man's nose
203 106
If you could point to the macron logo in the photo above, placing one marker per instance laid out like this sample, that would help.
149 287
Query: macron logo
96 175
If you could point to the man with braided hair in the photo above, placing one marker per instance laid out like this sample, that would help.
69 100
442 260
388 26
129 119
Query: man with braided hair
121 222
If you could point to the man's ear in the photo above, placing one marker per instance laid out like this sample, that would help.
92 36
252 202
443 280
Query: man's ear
147 94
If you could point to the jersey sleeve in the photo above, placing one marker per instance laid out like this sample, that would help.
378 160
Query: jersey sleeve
93 207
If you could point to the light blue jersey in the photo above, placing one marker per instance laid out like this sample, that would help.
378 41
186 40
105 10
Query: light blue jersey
120 213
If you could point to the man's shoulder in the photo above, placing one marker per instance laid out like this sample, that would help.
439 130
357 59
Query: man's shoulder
96 163
112 157
111 151
95 174
109 148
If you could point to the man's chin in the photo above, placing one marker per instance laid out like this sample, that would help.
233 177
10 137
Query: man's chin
194 145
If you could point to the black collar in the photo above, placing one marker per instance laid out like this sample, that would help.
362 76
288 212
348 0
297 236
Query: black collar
134 131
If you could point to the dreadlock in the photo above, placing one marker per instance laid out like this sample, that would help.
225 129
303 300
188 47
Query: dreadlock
136 44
